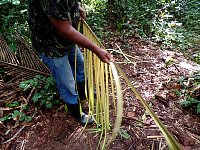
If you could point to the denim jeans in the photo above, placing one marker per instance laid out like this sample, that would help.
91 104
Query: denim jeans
62 70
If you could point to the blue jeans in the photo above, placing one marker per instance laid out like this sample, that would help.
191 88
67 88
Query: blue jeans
62 70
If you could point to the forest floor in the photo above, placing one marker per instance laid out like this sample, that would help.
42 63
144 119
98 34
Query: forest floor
146 66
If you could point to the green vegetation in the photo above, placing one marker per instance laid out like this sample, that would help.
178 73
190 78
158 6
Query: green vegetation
190 92
196 57
17 112
173 23
13 16
46 90
124 134
44 96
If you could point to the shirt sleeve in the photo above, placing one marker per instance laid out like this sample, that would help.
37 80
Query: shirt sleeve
56 8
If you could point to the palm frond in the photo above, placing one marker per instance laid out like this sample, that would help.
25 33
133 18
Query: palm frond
6 55
102 83
23 65
98 75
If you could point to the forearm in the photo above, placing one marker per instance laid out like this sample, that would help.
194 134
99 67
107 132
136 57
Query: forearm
65 28
69 32
76 37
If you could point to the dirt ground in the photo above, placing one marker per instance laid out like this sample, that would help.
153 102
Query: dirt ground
145 65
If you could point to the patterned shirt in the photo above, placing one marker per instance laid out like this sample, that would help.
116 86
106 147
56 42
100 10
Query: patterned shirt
45 38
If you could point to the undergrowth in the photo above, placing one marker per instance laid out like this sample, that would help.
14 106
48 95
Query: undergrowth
13 19
190 92
41 92
173 23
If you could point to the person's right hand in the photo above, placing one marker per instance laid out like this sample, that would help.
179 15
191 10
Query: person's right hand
65 28
82 12
104 56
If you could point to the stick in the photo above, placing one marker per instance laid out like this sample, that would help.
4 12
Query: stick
20 130
155 137
16 134
123 53
29 96
117 51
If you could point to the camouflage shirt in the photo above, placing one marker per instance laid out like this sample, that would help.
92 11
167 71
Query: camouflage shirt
45 37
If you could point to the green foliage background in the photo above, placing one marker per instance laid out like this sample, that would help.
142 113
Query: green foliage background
174 23
13 16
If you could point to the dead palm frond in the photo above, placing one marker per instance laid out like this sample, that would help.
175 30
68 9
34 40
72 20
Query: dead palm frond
23 65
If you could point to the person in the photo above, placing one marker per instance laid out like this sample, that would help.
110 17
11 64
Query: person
53 26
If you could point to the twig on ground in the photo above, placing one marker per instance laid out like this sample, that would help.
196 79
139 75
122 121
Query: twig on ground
177 69
136 105
1 123
20 130
16 134
152 146
131 118
160 144
127 88
132 144
23 145
29 96
193 135
155 137
75 136
125 62
123 53
90 145
5 108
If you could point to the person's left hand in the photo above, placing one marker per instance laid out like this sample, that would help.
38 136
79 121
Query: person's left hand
82 12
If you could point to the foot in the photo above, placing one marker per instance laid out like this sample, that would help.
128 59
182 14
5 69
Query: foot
81 117
86 119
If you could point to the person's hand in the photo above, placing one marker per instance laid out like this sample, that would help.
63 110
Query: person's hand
105 56
82 12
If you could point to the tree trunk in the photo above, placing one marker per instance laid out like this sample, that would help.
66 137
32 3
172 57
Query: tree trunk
110 8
